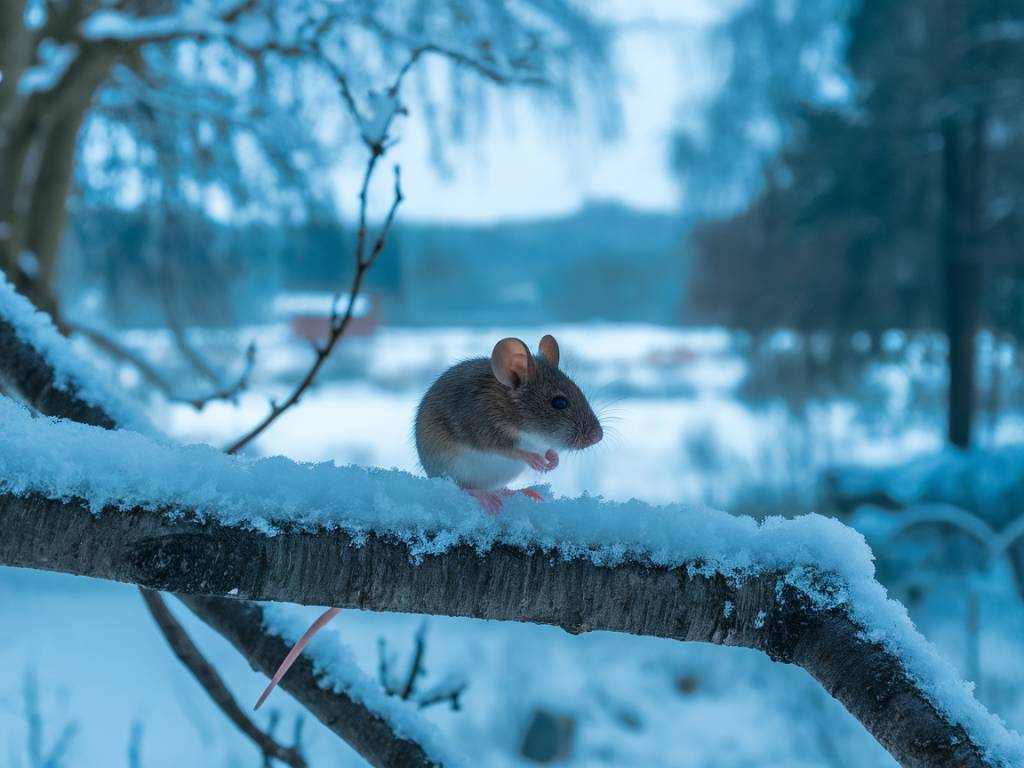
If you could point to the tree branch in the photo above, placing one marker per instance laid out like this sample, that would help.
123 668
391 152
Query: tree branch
373 737
24 371
338 324
213 684
156 379
506 583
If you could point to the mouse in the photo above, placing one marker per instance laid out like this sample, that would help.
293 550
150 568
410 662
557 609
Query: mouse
482 423
486 420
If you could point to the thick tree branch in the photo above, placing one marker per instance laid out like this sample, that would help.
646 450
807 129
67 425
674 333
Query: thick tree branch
506 583
212 683
370 735
26 373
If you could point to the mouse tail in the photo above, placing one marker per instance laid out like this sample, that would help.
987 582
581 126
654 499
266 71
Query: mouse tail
293 654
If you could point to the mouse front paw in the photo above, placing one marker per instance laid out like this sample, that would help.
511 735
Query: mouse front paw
544 463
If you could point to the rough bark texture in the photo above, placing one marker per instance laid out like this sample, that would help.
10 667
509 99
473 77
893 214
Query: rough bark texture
242 624
327 568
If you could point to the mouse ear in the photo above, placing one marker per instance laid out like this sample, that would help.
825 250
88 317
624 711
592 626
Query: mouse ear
549 349
510 362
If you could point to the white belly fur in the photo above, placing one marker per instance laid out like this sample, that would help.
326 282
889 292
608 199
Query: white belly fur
484 471
535 443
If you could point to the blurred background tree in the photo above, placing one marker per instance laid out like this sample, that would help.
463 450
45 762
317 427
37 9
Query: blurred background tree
897 208
201 112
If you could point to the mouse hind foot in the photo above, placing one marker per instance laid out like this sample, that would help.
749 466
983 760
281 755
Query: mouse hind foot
529 493
489 500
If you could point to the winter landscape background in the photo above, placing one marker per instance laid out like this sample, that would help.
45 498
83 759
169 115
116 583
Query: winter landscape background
734 219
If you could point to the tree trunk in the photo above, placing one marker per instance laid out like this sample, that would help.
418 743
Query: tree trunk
961 280
37 156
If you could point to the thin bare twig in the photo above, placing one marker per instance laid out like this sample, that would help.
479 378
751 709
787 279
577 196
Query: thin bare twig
54 758
338 324
416 665
446 691
150 373
135 745
211 681
377 145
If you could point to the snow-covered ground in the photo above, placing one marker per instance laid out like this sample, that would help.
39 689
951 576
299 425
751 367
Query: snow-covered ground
678 432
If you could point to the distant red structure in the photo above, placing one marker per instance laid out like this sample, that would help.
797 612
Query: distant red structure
309 314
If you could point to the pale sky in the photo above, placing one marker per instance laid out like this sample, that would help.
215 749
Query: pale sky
534 162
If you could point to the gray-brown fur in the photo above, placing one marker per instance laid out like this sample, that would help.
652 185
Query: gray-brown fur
468 407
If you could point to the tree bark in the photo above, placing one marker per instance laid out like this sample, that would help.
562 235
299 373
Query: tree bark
208 677
38 142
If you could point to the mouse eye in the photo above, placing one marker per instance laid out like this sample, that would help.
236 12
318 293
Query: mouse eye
559 403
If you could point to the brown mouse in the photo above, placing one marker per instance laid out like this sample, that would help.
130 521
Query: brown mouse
483 422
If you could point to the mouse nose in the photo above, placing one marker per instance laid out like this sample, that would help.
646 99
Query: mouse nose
594 435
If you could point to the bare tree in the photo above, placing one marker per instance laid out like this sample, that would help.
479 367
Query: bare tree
229 73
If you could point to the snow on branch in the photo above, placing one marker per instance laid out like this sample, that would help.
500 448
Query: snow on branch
40 366
190 520
327 681
207 676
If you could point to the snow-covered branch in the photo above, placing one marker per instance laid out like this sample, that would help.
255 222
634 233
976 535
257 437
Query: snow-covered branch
385 731
196 522
206 675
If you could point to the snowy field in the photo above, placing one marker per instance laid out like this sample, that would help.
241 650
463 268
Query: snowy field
88 652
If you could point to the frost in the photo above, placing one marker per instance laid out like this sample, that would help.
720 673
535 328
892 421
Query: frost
728 609
336 669
37 330
759 620
818 556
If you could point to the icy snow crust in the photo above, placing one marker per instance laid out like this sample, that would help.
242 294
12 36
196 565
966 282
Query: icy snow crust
125 469
36 329
336 669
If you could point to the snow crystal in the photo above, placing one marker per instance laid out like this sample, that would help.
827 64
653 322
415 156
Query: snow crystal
337 669
36 329
819 556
